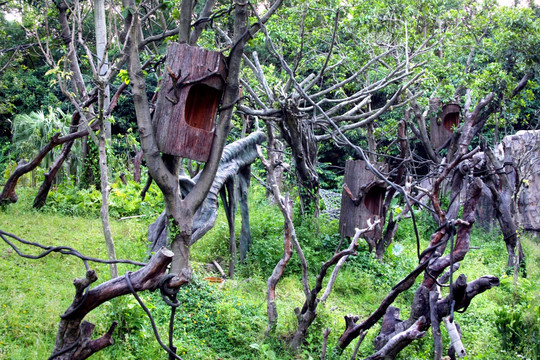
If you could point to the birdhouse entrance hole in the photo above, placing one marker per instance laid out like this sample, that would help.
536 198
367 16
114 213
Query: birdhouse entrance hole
362 198
374 199
450 116
186 108
201 105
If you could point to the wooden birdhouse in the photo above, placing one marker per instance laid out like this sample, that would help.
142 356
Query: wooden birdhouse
187 104
362 198
442 128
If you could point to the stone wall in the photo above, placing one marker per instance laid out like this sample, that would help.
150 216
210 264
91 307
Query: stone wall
524 150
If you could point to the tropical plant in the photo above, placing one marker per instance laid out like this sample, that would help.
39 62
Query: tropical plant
32 131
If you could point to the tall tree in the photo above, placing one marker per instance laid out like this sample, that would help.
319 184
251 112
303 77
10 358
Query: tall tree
105 127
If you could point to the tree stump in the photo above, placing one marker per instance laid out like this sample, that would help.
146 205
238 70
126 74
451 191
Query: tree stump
362 199
441 129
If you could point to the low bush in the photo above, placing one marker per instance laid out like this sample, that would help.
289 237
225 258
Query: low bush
125 200
518 318
211 322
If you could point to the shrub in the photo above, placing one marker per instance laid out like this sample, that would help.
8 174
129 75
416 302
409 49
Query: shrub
125 200
517 320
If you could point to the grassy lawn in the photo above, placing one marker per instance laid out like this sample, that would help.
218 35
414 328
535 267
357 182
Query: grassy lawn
33 293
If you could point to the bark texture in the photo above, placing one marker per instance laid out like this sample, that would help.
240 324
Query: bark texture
277 273
105 191
73 339
300 136
395 333
244 177
503 190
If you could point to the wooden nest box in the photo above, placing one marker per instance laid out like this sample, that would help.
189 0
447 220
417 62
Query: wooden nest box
187 104
362 199
442 128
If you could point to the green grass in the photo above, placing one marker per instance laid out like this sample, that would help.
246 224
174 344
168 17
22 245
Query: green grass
228 320
33 293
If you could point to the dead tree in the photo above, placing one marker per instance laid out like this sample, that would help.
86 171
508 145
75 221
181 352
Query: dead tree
296 107
164 170
73 339
244 177
396 334
307 314
432 255
273 164
454 165
503 190
279 269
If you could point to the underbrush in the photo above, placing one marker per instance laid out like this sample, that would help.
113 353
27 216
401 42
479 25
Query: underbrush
228 320
71 200
211 322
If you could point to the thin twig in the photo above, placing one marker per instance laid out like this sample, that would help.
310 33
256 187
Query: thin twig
66 250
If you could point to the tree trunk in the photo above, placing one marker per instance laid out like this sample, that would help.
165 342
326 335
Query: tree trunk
186 11
278 273
105 130
305 319
137 161
300 137
228 198
181 249
73 338
502 190
392 225
8 193
102 58
236 156
105 201
244 176
43 192
182 209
